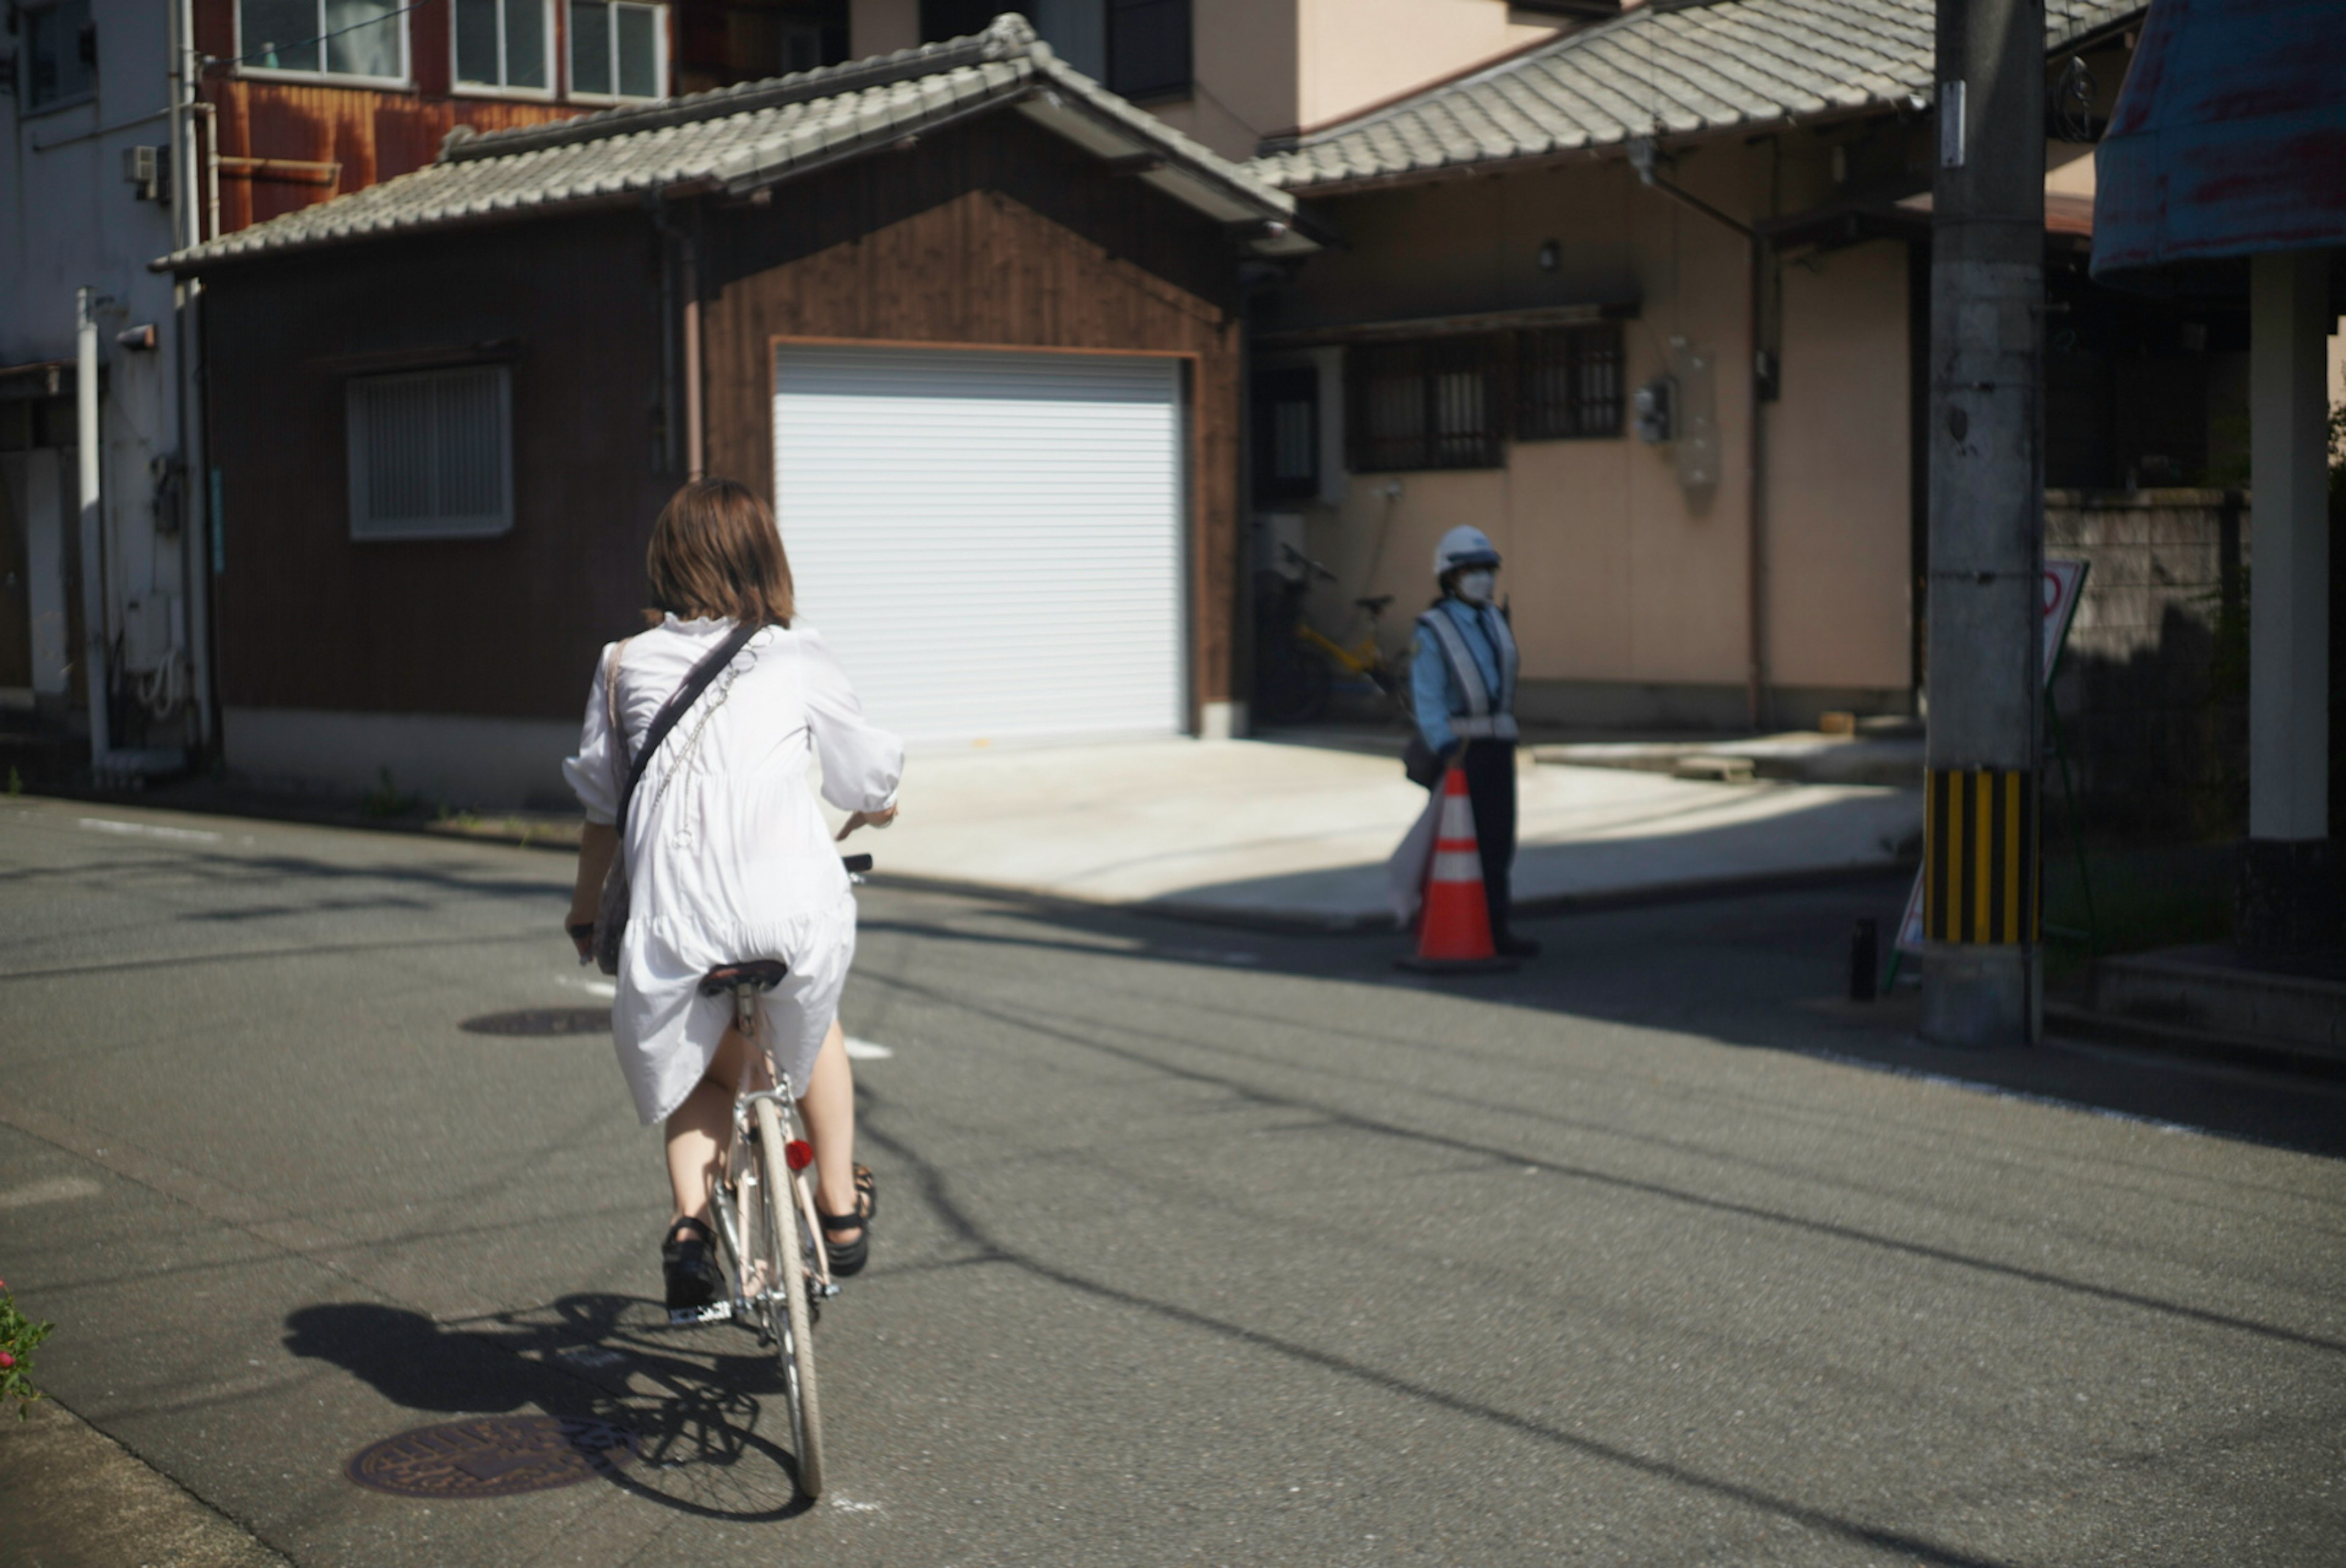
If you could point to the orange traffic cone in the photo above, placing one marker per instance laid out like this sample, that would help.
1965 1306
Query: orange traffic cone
1454 925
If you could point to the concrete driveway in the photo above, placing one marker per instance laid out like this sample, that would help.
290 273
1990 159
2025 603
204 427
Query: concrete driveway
1297 835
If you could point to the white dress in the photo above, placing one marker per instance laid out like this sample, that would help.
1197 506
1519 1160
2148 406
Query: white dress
728 857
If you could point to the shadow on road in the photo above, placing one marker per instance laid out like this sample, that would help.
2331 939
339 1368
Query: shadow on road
1766 970
694 1398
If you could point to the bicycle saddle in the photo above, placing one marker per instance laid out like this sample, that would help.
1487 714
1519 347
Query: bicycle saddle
765 973
1373 605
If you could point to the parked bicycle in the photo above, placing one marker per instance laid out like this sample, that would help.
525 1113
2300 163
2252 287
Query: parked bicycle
769 1236
1297 665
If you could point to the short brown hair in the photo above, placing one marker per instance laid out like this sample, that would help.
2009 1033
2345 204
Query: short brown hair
715 553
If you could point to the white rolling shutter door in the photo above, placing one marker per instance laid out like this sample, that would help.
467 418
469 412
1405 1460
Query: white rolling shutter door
992 542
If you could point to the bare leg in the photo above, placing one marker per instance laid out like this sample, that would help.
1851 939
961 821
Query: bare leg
700 1128
828 1107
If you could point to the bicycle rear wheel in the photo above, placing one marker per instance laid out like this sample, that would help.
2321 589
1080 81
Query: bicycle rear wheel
1292 683
788 1318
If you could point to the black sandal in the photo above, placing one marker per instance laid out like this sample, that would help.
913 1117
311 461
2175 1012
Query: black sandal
848 1258
688 1260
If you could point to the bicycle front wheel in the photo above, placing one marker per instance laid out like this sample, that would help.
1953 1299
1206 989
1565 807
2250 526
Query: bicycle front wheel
789 1320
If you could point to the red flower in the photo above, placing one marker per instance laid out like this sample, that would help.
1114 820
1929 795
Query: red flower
7 1361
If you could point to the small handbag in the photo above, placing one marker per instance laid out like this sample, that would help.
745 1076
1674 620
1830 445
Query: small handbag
1421 764
611 917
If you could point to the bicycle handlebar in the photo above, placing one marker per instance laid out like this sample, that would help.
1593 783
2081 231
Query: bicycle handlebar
1300 559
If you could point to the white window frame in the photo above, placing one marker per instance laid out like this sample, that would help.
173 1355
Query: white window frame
367 529
660 54
405 79
555 61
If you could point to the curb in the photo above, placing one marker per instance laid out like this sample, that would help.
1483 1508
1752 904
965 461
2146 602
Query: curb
105 1505
2197 1045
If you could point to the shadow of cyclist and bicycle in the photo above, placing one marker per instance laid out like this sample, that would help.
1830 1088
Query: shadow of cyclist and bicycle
694 1399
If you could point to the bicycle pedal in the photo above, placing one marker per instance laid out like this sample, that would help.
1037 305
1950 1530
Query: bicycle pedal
698 1316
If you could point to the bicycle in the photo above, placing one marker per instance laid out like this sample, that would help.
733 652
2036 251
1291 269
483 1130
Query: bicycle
1297 663
769 1236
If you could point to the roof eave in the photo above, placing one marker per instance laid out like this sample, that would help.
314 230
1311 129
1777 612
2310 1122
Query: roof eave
188 263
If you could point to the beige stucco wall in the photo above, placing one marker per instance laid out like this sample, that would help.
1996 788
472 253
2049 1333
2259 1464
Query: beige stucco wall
1269 67
1617 576
1356 53
1839 460
881 26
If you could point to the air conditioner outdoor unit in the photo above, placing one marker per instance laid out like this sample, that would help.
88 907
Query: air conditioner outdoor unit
150 169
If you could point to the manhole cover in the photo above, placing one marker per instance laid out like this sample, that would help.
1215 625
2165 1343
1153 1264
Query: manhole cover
541 1020
492 1456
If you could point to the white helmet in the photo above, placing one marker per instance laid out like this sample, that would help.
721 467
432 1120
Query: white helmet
1463 547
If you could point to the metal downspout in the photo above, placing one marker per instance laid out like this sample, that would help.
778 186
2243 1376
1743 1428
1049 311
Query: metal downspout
681 278
92 550
195 533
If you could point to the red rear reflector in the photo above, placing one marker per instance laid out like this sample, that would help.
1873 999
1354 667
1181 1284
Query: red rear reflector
800 1153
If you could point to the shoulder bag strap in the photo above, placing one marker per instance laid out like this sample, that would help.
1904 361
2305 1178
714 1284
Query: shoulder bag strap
678 704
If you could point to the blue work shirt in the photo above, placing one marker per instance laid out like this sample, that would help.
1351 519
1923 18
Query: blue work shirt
1434 693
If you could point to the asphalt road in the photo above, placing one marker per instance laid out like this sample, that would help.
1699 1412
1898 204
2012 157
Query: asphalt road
1196 1245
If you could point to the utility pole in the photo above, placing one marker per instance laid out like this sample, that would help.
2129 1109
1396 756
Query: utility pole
1981 976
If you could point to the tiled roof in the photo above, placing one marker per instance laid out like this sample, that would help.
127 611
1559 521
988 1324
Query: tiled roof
737 138
1667 70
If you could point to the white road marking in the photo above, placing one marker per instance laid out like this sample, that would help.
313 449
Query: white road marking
866 1050
149 830
603 989
849 1506
58 1190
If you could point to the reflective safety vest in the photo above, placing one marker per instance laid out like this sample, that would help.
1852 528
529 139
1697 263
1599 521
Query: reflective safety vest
1485 718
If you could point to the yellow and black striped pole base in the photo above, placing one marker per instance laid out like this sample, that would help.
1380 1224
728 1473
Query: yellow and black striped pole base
1980 857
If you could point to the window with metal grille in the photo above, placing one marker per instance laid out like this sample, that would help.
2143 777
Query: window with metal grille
1438 402
61 53
1568 382
431 453
1287 433
1148 48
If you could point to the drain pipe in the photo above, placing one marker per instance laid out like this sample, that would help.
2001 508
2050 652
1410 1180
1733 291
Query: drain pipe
680 276
1645 157
93 558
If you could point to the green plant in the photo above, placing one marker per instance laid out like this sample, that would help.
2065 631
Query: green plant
15 783
19 1336
386 798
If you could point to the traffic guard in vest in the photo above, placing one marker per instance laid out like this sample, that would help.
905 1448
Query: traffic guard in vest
1463 682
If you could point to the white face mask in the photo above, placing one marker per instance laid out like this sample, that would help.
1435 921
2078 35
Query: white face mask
1474 587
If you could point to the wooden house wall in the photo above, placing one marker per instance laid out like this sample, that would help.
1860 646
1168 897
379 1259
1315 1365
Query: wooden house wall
508 626
370 133
997 234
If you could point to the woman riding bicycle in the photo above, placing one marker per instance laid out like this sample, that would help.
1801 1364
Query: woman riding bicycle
729 860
